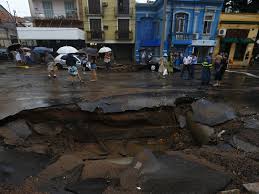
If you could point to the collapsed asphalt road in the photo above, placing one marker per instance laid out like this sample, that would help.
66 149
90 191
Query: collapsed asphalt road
95 146
98 137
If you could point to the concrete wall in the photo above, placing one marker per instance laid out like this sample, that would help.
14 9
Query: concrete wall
109 19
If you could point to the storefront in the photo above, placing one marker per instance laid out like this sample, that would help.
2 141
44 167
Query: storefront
237 37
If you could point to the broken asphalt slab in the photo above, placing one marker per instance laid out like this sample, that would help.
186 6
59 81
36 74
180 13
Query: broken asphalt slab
16 166
179 175
132 102
210 113
120 103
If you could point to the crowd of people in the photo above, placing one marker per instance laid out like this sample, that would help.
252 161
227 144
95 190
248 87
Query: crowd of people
87 62
186 64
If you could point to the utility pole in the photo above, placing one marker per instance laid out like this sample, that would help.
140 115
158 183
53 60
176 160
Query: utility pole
163 30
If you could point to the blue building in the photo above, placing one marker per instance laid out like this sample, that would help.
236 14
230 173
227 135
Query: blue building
191 26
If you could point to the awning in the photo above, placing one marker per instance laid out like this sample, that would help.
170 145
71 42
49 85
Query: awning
40 33
150 43
238 40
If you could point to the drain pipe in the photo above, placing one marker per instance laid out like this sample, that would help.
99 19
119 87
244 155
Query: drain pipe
163 30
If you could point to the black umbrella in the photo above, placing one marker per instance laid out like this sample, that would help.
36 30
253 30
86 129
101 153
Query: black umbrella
14 47
89 51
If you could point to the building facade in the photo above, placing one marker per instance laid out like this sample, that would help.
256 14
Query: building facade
238 36
112 24
55 15
8 33
191 26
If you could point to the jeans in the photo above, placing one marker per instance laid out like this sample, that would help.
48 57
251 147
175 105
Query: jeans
186 67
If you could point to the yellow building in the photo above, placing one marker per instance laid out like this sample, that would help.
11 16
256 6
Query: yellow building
111 23
237 36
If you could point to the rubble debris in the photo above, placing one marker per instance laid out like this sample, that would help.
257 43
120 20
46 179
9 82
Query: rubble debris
182 121
56 169
252 124
252 187
146 162
10 138
47 129
210 113
92 185
243 145
233 191
20 128
201 133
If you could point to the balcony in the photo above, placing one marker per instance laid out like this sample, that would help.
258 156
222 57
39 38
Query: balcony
94 13
95 35
49 15
123 12
183 36
123 35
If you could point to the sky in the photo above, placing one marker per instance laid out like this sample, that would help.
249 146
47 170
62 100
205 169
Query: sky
22 6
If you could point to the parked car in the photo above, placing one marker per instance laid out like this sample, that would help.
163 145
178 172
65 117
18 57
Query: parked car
4 54
61 62
153 63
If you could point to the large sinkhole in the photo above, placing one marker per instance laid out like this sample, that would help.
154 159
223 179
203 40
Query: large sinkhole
61 128
67 148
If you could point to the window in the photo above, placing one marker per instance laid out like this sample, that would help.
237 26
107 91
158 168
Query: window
94 6
70 9
96 28
123 28
123 6
208 19
181 22
48 9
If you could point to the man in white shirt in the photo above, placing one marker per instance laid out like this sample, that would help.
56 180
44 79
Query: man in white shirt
187 61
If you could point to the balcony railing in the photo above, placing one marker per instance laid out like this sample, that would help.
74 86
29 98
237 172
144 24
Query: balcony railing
123 35
184 36
95 35
66 14
123 12
94 13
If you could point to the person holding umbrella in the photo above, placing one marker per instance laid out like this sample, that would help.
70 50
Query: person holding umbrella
52 69
72 69
107 56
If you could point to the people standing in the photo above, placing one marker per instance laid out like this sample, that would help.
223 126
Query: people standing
18 57
187 60
217 65
162 68
49 60
193 64
72 69
206 73
222 69
93 68
107 60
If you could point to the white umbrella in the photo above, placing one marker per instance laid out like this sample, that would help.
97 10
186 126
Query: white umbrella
105 50
67 50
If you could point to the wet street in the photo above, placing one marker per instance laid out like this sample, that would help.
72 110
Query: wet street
23 89
128 132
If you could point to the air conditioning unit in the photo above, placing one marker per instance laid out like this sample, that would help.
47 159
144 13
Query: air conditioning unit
195 36
222 32
105 4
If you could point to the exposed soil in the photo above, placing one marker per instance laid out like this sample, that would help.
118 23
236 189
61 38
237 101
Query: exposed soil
73 137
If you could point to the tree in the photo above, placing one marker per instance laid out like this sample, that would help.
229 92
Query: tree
243 6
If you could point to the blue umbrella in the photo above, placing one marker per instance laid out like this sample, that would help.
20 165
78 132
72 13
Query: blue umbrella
42 50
